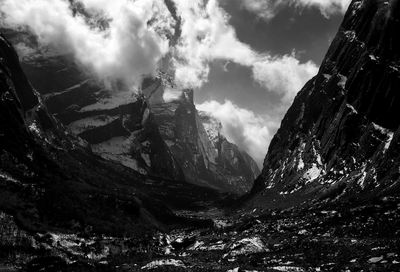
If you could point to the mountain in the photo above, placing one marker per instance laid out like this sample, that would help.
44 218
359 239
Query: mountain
204 160
51 179
340 139
140 131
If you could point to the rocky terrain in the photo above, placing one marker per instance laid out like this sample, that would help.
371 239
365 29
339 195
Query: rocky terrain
327 198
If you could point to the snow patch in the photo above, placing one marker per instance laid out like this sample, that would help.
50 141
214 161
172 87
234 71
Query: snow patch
353 110
350 35
34 128
372 57
327 76
342 81
89 123
288 268
117 149
169 262
312 174
246 246
388 142
114 101
9 178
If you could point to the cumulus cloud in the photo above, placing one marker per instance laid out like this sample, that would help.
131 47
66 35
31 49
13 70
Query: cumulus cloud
124 47
267 9
122 40
208 36
284 75
249 131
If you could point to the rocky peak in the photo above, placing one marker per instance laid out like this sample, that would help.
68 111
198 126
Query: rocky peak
340 134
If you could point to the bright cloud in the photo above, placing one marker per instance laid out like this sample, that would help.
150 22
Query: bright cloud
125 48
252 133
124 40
267 9
284 75
208 36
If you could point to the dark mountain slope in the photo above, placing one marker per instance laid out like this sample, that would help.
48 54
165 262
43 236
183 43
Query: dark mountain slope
51 180
340 139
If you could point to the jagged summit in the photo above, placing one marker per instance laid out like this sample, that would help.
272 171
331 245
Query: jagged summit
340 138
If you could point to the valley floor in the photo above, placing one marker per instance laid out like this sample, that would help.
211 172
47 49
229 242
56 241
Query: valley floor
321 238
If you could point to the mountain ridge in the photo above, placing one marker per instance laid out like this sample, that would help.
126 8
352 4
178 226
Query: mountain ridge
339 138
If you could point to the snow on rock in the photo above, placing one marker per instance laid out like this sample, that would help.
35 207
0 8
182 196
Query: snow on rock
350 35
247 246
353 110
117 99
375 259
7 177
197 245
212 126
388 141
118 149
389 134
361 181
221 224
381 129
167 262
342 81
85 124
288 268
34 128
312 174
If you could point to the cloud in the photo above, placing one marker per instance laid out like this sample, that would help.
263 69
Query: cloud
267 9
127 45
263 8
208 36
123 40
249 131
284 75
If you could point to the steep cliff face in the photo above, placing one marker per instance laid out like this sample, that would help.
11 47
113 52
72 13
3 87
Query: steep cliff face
236 165
140 131
341 136
205 159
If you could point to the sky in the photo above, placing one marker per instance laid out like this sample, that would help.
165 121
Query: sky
245 59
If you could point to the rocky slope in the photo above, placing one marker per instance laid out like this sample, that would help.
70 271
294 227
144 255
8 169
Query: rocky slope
340 138
140 131
50 178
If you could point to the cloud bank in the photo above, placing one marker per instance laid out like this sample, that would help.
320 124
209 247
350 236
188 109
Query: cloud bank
268 9
250 132
125 40
125 47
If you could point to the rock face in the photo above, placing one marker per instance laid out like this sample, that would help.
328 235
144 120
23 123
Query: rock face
205 158
50 179
140 131
340 139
